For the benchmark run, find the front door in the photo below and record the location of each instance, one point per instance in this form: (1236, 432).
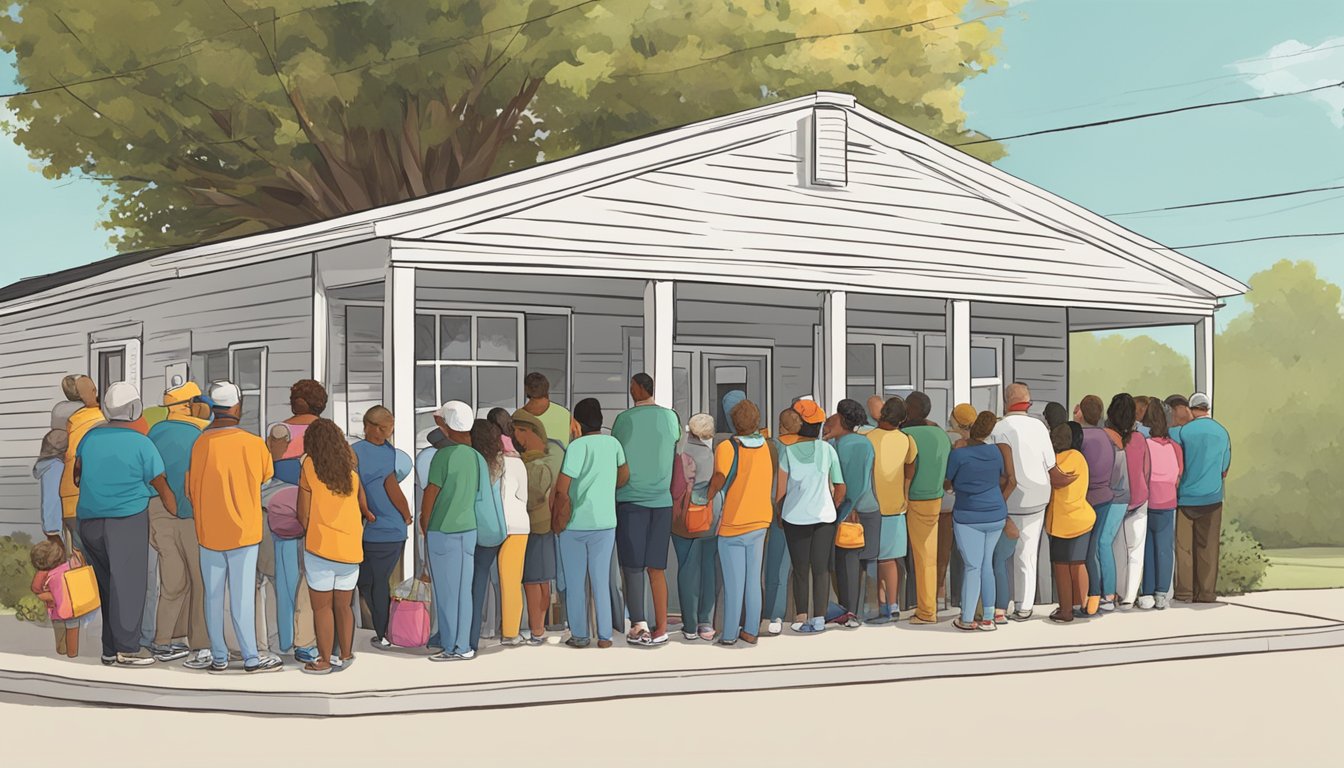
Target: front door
(703, 375)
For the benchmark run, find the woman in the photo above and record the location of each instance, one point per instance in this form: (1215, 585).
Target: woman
(491, 525)
(958, 431)
(894, 457)
(743, 478)
(1122, 426)
(47, 471)
(777, 565)
(513, 491)
(1112, 517)
(981, 475)
(1055, 415)
(857, 457)
(810, 487)
(697, 573)
(385, 536)
(1069, 522)
(504, 423)
(332, 509)
(1166, 463)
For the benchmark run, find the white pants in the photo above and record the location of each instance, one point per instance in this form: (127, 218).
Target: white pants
(1030, 523)
(1128, 549)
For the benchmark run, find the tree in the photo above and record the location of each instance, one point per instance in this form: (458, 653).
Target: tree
(213, 118)
(1106, 364)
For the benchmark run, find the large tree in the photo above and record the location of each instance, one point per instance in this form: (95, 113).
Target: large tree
(211, 118)
(1105, 364)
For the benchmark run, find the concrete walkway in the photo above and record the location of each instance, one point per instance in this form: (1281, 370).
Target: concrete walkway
(403, 681)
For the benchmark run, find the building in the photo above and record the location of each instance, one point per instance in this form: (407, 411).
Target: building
(809, 247)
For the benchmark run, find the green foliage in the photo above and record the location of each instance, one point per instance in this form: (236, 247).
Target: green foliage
(209, 119)
(1107, 364)
(16, 571)
(31, 608)
(1241, 560)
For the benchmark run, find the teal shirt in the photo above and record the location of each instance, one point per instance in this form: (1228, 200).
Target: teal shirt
(931, 464)
(1208, 455)
(856, 464)
(174, 440)
(457, 471)
(591, 463)
(649, 435)
(116, 465)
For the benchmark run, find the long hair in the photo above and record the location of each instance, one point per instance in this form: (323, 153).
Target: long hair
(333, 461)
(1120, 416)
(485, 439)
(1156, 419)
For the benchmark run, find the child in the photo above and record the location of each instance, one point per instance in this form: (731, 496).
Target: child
(48, 557)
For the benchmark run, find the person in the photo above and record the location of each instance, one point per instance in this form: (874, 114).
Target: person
(116, 471)
(47, 557)
(513, 491)
(697, 561)
(1166, 464)
(894, 455)
(1207, 450)
(181, 609)
(1053, 413)
(981, 475)
(648, 434)
(742, 478)
(857, 457)
(958, 431)
(1179, 412)
(1069, 522)
(585, 522)
(491, 524)
(79, 389)
(47, 471)
(809, 489)
(560, 424)
(448, 524)
(1100, 454)
(504, 423)
(925, 503)
(384, 538)
(543, 459)
(1122, 428)
(777, 561)
(1140, 411)
(875, 403)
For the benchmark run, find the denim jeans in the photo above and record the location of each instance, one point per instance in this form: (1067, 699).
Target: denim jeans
(236, 570)
(286, 589)
(484, 563)
(976, 543)
(1159, 551)
(1101, 555)
(740, 557)
(697, 579)
(1003, 576)
(451, 569)
(776, 572)
(587, 554)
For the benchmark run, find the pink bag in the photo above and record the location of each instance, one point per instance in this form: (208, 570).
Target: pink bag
(61, 607)
(408, 623)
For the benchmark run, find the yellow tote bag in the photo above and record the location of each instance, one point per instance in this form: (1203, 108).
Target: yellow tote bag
(81, 587)
(849, 536)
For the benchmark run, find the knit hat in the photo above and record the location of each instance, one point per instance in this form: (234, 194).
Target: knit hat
(811, 412)
(528, 419)
(964, 415)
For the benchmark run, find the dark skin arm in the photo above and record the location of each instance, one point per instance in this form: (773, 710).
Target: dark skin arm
(398, 498)
(427, 507)
(560, 500)
(160, 484)
(364, 506)
(622, 476)
(39, 588)
(1059, 478)
(1008, 481)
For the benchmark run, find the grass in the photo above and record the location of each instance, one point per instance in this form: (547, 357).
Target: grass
(1305, 568)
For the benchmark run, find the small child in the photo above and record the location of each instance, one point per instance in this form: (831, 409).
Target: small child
(48, 557)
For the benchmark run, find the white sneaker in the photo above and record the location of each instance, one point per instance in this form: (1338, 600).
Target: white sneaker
(1160, 602)
(199, 660)
(775, 626)
(1145, 603)
(467, 656)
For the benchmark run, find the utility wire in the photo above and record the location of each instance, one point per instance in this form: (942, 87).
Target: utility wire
(1206, 203)
(1259, 239)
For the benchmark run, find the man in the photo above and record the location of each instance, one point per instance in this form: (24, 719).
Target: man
(385, 537)
(1034, 466)
(181, 610)
(1178, 411)
(560, 425)
(778, 566)
(228, 467)
(875, 405)
(893, 471)
(1208, 455)
(448, 524)
(544, 458)
(1099, 453)
(925, 503)
(116, 470)
(648, 434)
(86, 417)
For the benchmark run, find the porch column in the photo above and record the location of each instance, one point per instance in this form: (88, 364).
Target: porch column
(1204, 356)
(321, 323)
(835, 333)
(659, 326)
(958, 352)
(399, 378)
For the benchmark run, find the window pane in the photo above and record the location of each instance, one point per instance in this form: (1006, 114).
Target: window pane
(455, 383)
(424, 337)
(497, 338)
(111, 368)
(424, 422)
(425, 396)
(496, 388)
(454, 337)
(935, 362)
(209, 366)
(897, 373)
(252, 415)
(986, 399)
(940, 409)
(247, 369)
(861, 360)
(984, 362)
(547, 352)
(859, 392)
(363, 346)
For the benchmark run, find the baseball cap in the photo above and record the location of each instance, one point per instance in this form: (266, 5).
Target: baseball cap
(964, 413)
(810, 411)
(1201, 401)
(121, 402)
(181, 392)
(225, 394)
(457, 415)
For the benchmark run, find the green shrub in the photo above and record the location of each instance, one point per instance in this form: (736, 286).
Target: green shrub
(31, 608)
(16, 571)
(1241, 560)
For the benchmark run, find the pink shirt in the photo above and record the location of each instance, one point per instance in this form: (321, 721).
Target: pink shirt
(1167, 463)
(1136, 460)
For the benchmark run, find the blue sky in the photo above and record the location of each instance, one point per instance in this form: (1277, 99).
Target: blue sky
(1061, 62)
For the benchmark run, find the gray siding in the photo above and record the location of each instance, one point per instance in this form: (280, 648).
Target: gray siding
(1040, 345)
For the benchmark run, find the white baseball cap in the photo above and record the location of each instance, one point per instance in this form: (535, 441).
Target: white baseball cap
(1200, 401)
(121, 402)
(225, 394)
(457, 415)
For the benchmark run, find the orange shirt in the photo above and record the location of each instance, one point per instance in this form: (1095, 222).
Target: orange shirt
(747, 506)
(77, 427)
(228, 467)
(335, 524)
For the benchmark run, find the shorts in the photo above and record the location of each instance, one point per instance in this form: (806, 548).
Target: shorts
(539, 559)
(1072, 550)
(872, 535)
(643, 536)
(64, 623)
(327, 575)
(894, 542)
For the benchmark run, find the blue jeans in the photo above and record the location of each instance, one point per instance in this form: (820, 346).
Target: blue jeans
(286, 589)
(486, 562)
(776, 572)
(1003, 572)
(451, 566)
(587, 555)
(697, 579)
(1159, 551)
(976, 543)
(1101, 555)
(236, 568)
(740, 557)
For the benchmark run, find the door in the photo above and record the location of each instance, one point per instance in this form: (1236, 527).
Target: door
(703, 375)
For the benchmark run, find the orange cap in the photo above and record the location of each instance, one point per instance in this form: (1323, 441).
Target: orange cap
(810, 411)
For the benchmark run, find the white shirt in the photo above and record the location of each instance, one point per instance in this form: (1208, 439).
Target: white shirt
(1033, 458)
(513, 491)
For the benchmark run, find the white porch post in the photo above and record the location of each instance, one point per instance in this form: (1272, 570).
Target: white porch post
(321, 322)
(1204, 356)
(958, 351)
(399, 378)
(835, 330)
(659, 327)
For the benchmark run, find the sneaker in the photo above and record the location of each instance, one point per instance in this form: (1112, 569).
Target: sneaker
(466, 655)
(165, 654)
(306, 655)
(266, 664)
(109, 661)
(536, 640)
(141, 658)
(690, 636)
(986, 625)
(651, 640)
(512, 642)
(775, 627)
(218, 667)
(727, 641)
(199, 660)
(637, 636)
(381, 643)
(578, 642)
(1020, 615)
(1145, 603)
(852, 622)
(443, 656)
(814, 627)
(1106, 605)
(1160, 602)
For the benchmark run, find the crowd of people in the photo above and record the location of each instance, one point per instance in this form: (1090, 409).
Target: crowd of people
(179, 511)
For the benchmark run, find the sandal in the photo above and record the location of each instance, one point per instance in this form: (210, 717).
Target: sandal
(1061, 616)
(312, 669)
(959, 624)
(637, 637)
(706, 633)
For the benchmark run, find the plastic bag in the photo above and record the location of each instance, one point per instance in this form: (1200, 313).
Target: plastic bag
(413, 590)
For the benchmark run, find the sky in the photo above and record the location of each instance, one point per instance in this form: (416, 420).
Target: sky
(1061, 62)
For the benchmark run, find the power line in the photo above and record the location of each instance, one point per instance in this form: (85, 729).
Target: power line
(1145, 115)
(1231, 200)
(1259, 239)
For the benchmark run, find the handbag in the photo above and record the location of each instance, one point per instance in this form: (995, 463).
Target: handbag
(81, 587)
(408, 620)
(849, 536)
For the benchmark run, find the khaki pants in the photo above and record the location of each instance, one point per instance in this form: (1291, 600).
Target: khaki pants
(181, 609)
(1197, 545)
(921, 521)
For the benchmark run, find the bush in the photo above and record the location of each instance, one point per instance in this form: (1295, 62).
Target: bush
(16, 571)
(1241, 560)
(31, 608)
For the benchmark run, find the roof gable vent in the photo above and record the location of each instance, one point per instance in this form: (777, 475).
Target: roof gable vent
(830, 139)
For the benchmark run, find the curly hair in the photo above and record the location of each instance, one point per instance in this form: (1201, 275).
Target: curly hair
(333, 461)
(852, 413)
(46, 554)
(485, 439)
(312, 393)
(746, 418)
(984, 425)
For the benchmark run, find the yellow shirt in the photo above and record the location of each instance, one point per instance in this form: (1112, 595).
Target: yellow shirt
(1069, 515)
(228, 467)
(893, 449)
(335, 524)
(748, 505)
(77, 427)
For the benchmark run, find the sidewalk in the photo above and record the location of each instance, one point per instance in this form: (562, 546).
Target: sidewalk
(403, 681)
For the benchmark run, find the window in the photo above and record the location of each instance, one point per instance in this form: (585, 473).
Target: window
(116, 361)
(209, 366)
(879, 365)
(363, 364)
(475, 357)
(547, 352)
(989, 369)
(247, 369)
